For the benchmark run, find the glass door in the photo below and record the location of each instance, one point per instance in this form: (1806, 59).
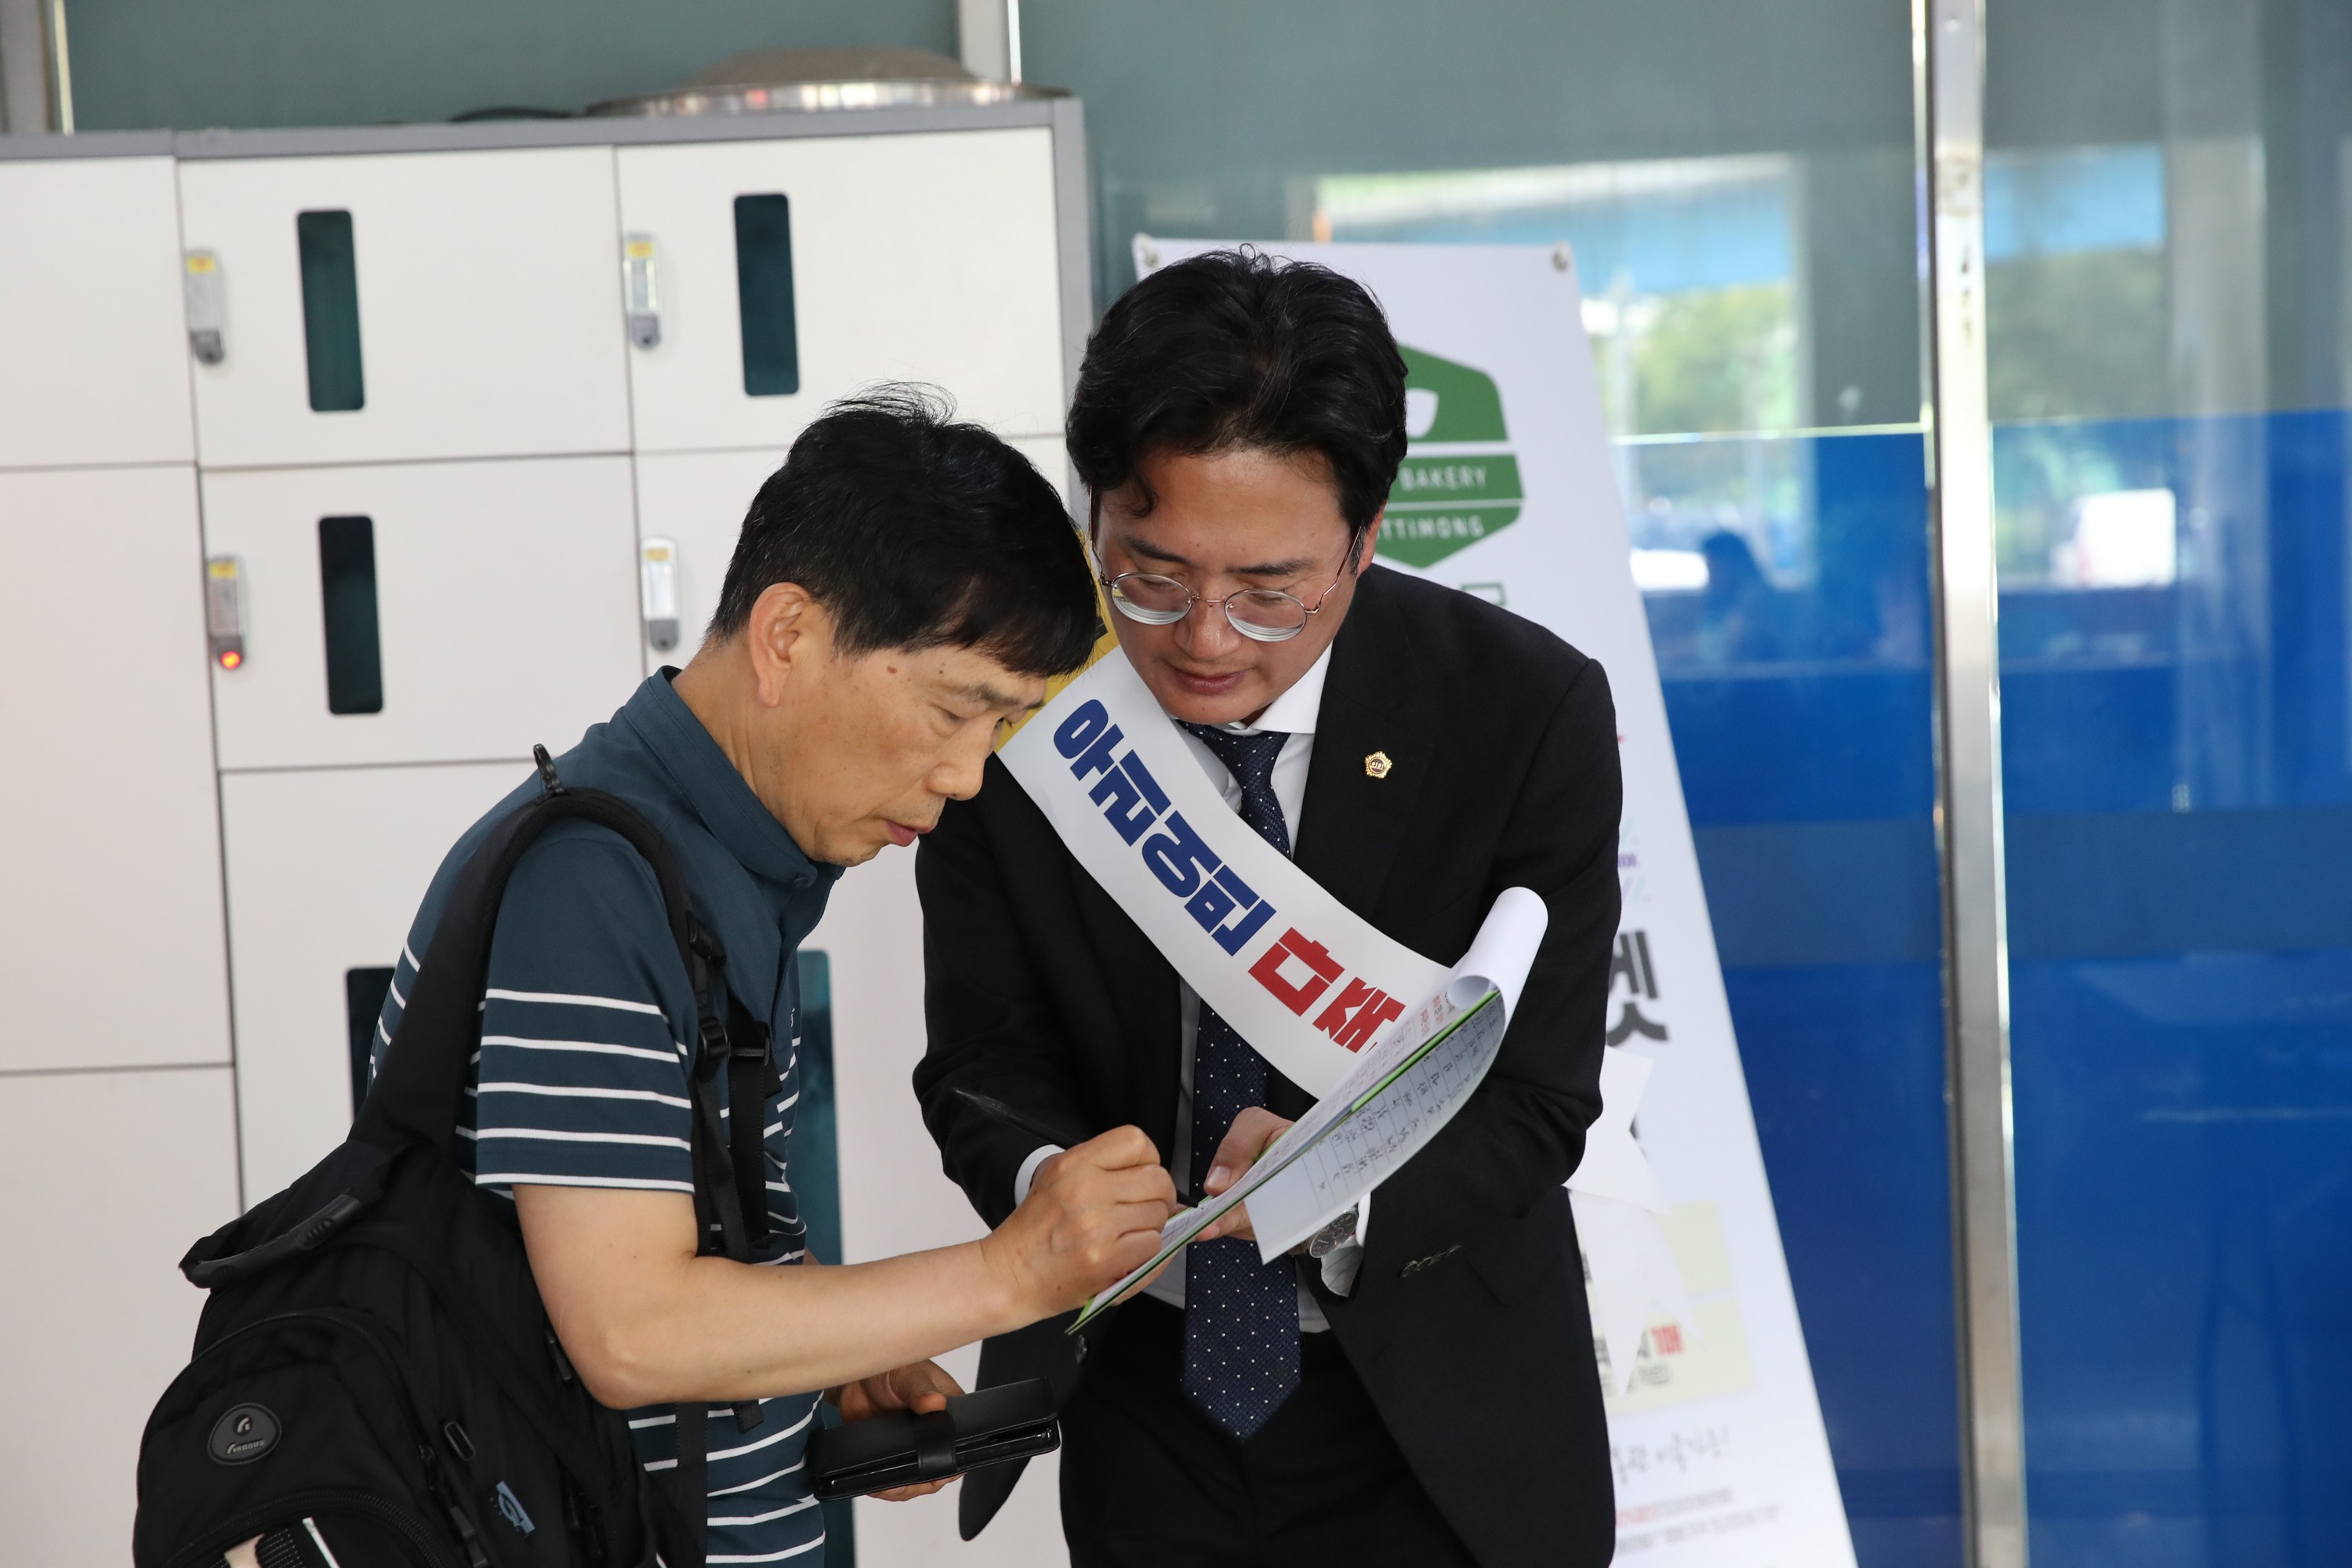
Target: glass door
(2166, 226)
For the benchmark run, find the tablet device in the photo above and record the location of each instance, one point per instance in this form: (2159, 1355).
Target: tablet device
(900, 1448)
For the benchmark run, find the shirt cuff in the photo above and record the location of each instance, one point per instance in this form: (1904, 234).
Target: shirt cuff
(1342, 1263)
(1028, 1172)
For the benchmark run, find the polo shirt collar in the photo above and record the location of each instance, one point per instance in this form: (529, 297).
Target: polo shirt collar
(711, 788)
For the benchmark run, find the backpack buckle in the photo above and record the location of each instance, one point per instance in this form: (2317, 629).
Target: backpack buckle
(705, 942)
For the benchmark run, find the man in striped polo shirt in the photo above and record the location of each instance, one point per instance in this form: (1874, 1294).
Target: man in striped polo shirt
(902, 586)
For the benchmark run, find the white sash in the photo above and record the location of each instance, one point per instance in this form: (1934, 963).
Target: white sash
(1301, 977)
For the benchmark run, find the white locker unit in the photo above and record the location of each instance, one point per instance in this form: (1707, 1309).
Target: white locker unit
(325, 871)
(494, 601)
(93, 363)
(108, 849)
(419, 395)
(910, 258)
(691, 504)
(403, 305)
(109, 1177)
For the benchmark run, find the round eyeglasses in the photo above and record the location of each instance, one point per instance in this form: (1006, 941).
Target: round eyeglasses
(1261, 615)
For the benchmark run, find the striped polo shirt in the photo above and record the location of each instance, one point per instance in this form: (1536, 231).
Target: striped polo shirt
(589, 1021)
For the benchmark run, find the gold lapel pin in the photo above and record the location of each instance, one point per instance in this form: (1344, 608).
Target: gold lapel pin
(1377, 765)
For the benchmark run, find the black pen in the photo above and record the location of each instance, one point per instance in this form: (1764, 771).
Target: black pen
(997, 1110)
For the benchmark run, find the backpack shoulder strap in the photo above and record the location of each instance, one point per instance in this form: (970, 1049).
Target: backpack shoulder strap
(415, 1095)
(415, 1098)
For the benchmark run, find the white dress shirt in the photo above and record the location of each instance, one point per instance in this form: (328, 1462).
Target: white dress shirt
(1294, 713)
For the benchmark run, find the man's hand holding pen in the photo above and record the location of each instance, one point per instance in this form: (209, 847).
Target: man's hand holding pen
(1093, 1212)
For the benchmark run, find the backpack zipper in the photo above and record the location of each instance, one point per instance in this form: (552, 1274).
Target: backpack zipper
(403, 1522)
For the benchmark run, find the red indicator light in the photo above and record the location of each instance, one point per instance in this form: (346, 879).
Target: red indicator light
(230, 658)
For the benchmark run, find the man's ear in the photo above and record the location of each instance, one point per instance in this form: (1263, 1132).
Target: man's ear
(785, 633)
(1371, 541)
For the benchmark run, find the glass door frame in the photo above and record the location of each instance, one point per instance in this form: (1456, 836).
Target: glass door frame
(1948, 63)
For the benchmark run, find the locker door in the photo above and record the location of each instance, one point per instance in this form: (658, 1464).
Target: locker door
(110, 845)
(411, 305)
(429, 612)
(325, 871)
(95, 364)
(109, 1177)
(924, 258)
(696, 500)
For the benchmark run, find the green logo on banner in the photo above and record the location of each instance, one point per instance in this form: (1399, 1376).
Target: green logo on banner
(1445, 499)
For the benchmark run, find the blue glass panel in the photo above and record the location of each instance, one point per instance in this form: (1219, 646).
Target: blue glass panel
(2180, 780)
(1797, 685)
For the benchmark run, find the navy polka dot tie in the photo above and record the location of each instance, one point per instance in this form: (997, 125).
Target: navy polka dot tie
(1241, 1316)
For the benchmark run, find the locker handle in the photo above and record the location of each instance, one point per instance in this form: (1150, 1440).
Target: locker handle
(225, 609)
(205, 292)
(641, 290)
(657, 591)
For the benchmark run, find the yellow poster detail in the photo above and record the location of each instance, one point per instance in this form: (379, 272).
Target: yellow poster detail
(1679, 1361)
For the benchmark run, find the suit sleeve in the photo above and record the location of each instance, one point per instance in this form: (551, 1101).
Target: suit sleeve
(1522, 1133)
(990, 1024)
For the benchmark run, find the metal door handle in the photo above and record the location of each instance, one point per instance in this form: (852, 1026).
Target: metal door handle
(641, 290)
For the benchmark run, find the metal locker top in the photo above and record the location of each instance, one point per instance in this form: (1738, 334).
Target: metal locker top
(1065, 117)
(585, 131)
(91, 144)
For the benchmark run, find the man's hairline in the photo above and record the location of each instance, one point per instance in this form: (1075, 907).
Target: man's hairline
(1356, 533)
(1097, 496)
(987, 647)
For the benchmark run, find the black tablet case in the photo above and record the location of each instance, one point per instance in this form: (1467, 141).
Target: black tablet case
(898, 1448)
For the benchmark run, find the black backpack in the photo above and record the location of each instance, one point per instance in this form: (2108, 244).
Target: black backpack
(375, 1383)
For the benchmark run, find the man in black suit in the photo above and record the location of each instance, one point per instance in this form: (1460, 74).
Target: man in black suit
(1422, 1390)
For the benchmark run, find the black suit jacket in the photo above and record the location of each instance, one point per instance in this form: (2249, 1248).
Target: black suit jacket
(1468, 1323)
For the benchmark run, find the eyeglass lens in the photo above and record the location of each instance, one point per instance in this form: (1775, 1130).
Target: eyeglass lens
(1165, 600)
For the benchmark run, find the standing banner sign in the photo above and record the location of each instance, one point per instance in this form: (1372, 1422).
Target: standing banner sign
(1507, 492)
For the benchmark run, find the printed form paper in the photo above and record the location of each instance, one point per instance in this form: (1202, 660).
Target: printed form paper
(1407, 1087)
